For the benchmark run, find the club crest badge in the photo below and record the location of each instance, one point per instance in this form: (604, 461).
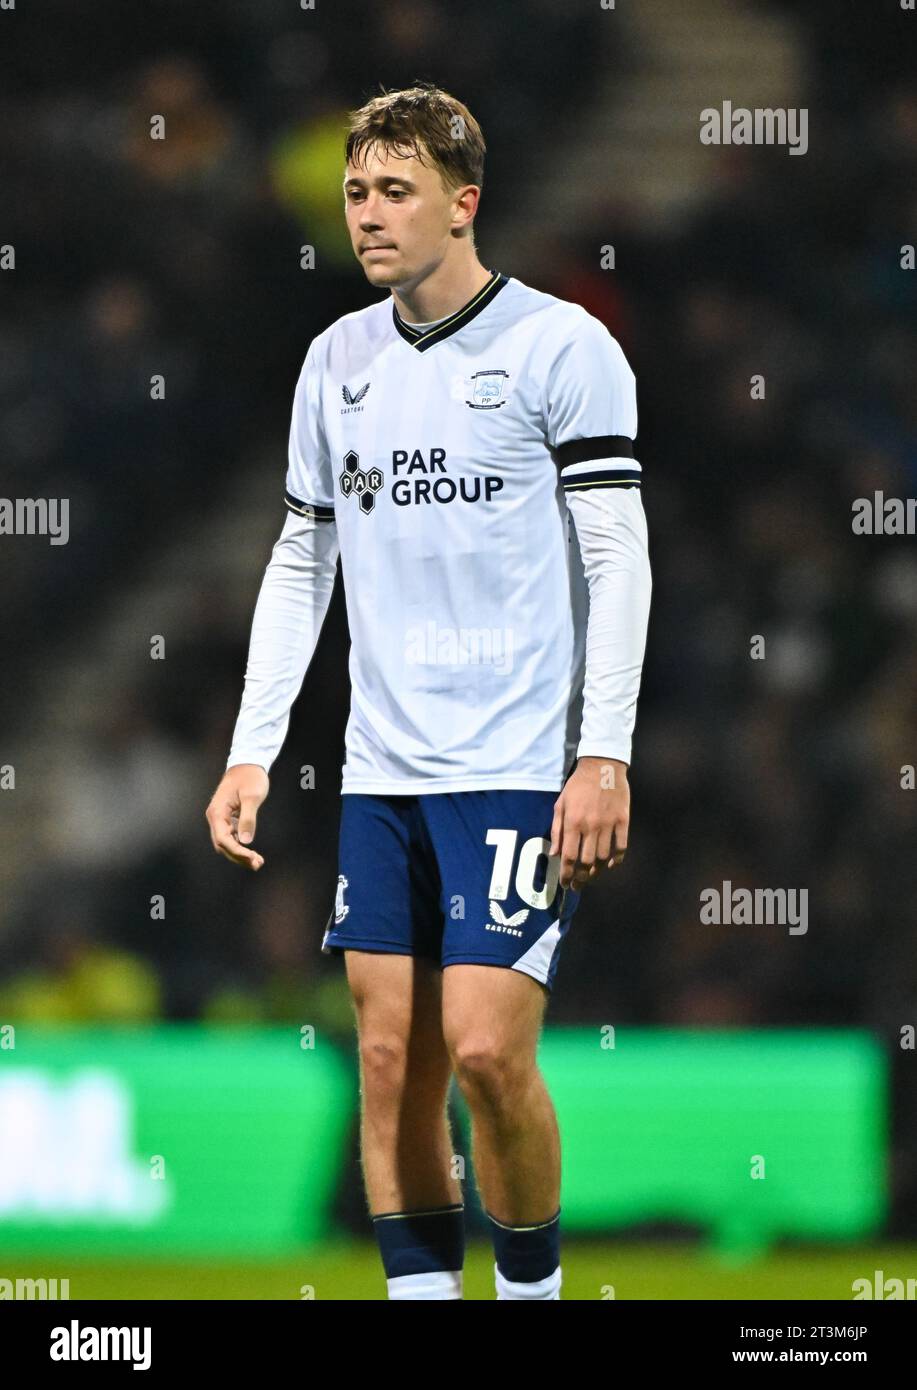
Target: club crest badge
(488, 389)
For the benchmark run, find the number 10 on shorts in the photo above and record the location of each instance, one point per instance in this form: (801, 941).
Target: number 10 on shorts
(532, 850)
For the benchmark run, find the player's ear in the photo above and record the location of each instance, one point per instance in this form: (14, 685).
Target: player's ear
(465, 205)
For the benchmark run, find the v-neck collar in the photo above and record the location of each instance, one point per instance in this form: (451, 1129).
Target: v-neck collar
(422, 341)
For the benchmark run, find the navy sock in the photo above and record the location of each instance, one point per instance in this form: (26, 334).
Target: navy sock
(526, 1254)
(421, 1242)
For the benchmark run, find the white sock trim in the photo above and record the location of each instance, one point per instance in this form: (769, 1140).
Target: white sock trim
(511, 1291)
(440, 1283)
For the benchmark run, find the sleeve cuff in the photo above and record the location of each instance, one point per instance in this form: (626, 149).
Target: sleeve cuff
(236, 759)
(620, 752)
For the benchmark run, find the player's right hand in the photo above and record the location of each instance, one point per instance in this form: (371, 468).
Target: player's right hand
(233, 811)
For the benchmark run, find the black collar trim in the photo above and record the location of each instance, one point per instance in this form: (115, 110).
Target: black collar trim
(422, 341)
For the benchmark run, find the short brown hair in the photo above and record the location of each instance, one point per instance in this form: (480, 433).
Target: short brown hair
(423, 121)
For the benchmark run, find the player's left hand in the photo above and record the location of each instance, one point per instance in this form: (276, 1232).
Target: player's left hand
(591, 819)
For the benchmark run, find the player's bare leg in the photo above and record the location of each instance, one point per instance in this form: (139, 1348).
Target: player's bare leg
(492, 1018)
(405, 1141)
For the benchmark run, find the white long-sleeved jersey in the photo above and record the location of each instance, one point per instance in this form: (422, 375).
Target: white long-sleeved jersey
(492, 641)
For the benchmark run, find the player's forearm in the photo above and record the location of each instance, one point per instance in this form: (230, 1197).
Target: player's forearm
(611, 530)
(291, 608)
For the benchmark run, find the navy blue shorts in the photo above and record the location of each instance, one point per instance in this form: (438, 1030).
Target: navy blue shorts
(456, 877)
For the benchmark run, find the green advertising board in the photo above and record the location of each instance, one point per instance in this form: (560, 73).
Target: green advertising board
(172, 1139)
(750, 1136)
(222, 1141)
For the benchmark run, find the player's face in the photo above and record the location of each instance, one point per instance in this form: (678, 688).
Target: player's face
(400, 217)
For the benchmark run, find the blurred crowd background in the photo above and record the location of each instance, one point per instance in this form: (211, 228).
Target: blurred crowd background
(181, 257)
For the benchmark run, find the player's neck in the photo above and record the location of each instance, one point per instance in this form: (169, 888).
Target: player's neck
(444, 291)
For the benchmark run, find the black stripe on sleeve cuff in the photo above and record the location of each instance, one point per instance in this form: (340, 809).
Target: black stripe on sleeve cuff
(310, 509)
(601, 446)
(579, 482)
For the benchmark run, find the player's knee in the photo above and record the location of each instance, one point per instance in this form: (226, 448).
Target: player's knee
(383, 1062)
(488, 1073)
